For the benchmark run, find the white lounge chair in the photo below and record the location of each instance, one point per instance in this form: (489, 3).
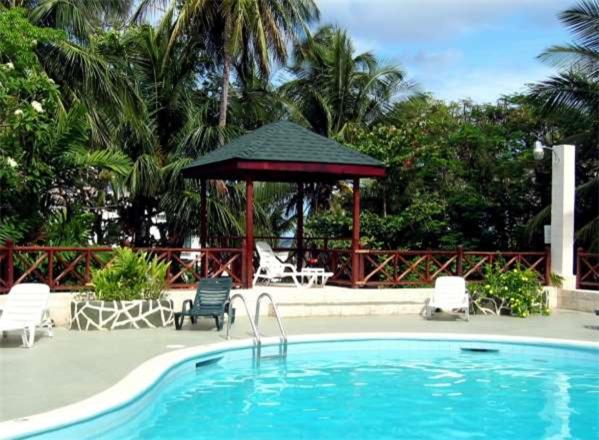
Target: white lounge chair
(25, 308)
(273, 269)
(450, 295)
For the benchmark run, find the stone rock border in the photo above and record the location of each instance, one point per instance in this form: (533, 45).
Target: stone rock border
(111, 315)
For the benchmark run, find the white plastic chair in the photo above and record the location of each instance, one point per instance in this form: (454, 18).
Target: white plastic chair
(450, 295)
(273, 269)
(25, 308)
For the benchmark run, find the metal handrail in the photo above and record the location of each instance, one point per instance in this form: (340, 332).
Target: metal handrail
(247, 311)
(283, 336)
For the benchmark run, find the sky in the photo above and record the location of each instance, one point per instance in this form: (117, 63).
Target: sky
(477, 49)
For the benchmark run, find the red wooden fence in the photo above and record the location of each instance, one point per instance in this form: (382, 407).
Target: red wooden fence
(70, 268)
(380, 268)
(587, 270)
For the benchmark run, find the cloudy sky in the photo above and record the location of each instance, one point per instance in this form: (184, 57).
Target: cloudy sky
(478, 49)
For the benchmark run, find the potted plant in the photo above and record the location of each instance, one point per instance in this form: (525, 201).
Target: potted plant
(127, 293)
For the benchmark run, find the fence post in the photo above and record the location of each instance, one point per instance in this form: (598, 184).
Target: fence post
(10, 264)
(244, 272)
(427, 268)
(169, 273)
(87, 274)
(204, 263)
(460, 261)
(578, 267)
(50, 258)
(548, 265)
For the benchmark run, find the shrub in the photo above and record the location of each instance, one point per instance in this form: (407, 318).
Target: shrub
(517, 292)
(131, 275)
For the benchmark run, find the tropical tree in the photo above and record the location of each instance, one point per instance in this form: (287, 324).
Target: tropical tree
(575, 92)
(334, 87)
(250, 32)
(458, 174)
(46, 160)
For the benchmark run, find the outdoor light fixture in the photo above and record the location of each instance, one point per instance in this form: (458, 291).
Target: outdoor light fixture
(538, 150)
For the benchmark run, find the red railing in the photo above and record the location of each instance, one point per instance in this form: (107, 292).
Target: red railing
(587, 270)
(70, 268)
(394, 268)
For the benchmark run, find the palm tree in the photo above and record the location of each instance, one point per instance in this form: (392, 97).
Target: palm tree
(174, 125)
(577, 86)
(575, 90)
(334, 86)
(253, 31)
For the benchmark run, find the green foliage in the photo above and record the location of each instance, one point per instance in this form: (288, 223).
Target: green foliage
(130, 276)
(454, 171)
(46, 161)
(517, 291)
(336, 87)
(99, 112)
(19, 38)
(572, 95)
(63, 229)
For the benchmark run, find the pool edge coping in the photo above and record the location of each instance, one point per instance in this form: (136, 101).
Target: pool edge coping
(148, 373)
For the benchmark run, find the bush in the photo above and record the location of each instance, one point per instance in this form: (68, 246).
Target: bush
(517, 292)
(131, 275)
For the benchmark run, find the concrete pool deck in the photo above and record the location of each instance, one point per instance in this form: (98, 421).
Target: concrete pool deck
(75, 365)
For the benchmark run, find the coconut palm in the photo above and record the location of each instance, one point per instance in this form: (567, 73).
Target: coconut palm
(575, 90)
(334, 86)
(255, 30)
(577, 86)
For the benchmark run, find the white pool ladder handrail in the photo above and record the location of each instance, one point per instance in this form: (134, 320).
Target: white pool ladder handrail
(283, 335)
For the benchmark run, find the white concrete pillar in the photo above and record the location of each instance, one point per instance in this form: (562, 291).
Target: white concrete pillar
(563, 188)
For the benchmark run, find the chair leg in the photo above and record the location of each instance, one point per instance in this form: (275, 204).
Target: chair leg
(429, 312)
(28, 336)
(218, 319)
(295, 281)
(47, 322)
(178, 321)
(256, 276)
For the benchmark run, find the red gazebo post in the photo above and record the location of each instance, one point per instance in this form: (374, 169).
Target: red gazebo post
(203, 226)
(356, 272)
(249, 233)
(299, 233)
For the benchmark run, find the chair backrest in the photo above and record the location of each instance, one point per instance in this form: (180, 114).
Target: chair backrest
(25, 303)
(268, 259)
(449, 289)
(213, 293)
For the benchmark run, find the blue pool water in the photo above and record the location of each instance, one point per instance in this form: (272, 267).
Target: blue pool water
(373, 389)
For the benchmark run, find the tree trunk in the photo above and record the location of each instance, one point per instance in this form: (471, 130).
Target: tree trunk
(224, 99)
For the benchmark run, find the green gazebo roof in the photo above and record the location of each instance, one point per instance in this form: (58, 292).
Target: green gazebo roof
(284, 151)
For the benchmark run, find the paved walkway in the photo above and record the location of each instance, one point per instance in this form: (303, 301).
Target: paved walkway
(75, 365)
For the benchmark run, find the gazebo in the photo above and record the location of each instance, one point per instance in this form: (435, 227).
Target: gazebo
(283, 152)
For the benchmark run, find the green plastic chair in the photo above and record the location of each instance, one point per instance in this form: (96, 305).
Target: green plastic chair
(212, 299)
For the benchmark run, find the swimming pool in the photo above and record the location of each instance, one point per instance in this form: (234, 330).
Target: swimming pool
(367, 389)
